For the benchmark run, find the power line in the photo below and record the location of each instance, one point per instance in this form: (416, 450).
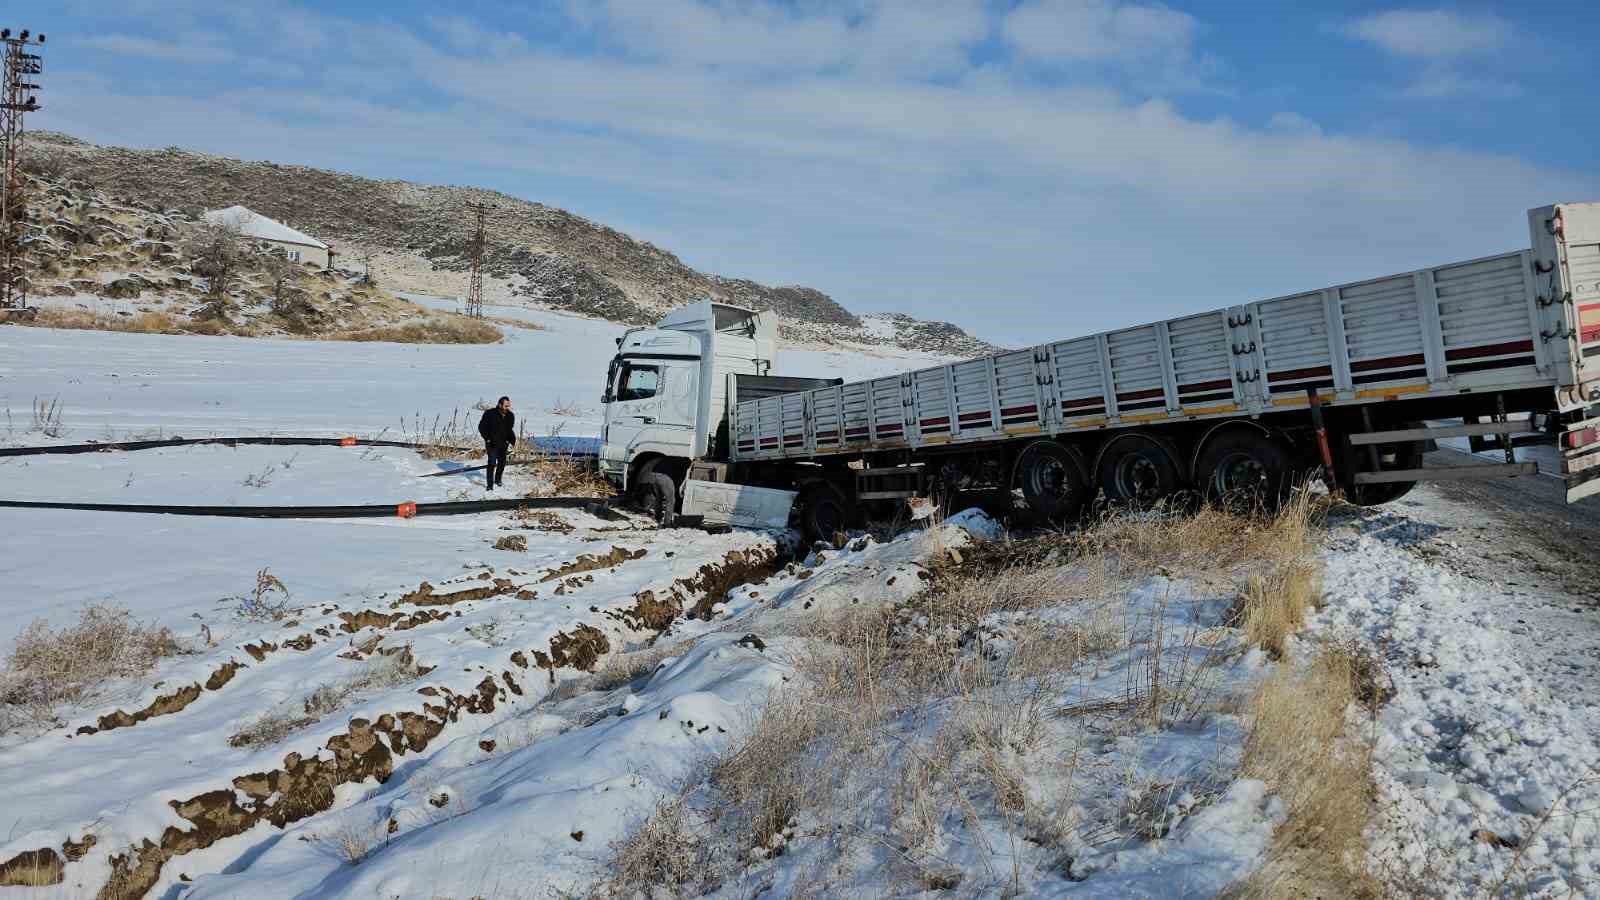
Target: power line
(16, 99)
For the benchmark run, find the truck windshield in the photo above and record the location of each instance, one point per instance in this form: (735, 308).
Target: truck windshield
(639, 382)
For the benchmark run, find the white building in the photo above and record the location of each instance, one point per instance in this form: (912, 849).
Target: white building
(298, 246)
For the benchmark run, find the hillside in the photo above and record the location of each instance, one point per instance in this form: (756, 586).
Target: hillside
(416, 238)
(118, 264)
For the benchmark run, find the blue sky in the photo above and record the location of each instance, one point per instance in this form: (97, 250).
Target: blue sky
(1025, 168)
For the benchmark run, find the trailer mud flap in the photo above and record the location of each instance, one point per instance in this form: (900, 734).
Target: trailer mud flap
(1580, 459)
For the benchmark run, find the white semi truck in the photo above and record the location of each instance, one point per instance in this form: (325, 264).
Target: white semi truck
(1352, 380)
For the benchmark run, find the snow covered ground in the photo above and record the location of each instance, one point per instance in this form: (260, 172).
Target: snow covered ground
(426, 722)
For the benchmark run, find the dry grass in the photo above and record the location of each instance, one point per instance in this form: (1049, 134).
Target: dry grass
(442, 438)
(1298, 744)
(378, 672)
(666, 856)
(1274, 606)
(50, 667)
(352, 842)
(149, 322)
(564, 408)
(439, 328)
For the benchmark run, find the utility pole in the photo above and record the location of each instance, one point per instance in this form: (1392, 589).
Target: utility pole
(16, 99)
(475, 279)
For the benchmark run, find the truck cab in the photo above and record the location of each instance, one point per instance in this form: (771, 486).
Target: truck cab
(666, 390)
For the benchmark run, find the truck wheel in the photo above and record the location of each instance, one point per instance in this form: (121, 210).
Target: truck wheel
(1245, 467)
(659, 497)
(1404, 455)
(1137, 469)
(824, 511)
(1051, 482)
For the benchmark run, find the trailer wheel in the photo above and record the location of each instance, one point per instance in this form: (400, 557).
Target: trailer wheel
(1051, 482)
(1243, 466)
(1138, 469)
(1404, 455)
(824, 511)
(659, 497)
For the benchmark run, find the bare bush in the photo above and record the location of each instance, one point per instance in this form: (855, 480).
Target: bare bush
(668, 855)
(280, 272)
(47, 417)
(50, 165)
(564, 408)
(261, 605)
(217, 252)
(50, 667)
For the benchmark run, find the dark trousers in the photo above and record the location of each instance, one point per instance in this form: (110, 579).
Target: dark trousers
(497, 463)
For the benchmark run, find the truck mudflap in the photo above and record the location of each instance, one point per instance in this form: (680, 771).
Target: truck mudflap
(1580, 458)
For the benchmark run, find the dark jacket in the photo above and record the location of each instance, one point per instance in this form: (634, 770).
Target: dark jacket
(498, 427)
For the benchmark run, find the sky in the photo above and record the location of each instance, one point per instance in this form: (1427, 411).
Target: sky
(1027, 169)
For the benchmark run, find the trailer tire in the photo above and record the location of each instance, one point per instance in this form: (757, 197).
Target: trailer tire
(658, 495)
(1244, 467)
(1051, 481)
(1138, 469)
(824, 511)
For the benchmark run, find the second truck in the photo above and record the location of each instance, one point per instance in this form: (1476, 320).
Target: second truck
(1353, 381)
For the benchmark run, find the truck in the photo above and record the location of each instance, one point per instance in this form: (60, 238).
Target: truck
(1352, 382)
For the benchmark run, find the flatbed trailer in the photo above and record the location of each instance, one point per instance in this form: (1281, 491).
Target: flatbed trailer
(1350, 380)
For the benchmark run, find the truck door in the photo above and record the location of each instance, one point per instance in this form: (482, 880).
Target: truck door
(636, 402)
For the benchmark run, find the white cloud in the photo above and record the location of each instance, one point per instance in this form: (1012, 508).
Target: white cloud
(195, 48)
(1437, 34)
(768, 35)
(1098, 30)
(1447, 84)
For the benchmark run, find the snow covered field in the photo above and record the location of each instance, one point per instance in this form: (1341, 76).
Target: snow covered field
(437, 716)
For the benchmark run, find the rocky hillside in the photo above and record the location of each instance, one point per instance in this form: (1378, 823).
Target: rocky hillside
(417, 233)
(106, 262)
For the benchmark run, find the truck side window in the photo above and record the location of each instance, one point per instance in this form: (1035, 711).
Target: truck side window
(639, 382)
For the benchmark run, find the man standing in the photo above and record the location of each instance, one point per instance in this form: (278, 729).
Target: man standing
(499, 429)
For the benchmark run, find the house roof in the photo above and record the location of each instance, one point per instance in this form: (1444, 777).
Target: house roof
(254, 224)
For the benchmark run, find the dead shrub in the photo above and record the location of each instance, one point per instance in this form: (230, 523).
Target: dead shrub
(1297, 745)
(50, 667)
(667, 855)
(439, 328)
(564, 408)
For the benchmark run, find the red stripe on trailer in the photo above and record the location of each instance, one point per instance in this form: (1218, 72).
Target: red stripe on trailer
(1505, 349)
(827, 434)
(1590, 335)
(1299, 374)
(1142, 395)
(890, 429)
(1221, 384)
(1079, 404)
(856, 432)
(1009, 411)
(1589, 307)
(1389, 362)
(936, 421)
(975, 416)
